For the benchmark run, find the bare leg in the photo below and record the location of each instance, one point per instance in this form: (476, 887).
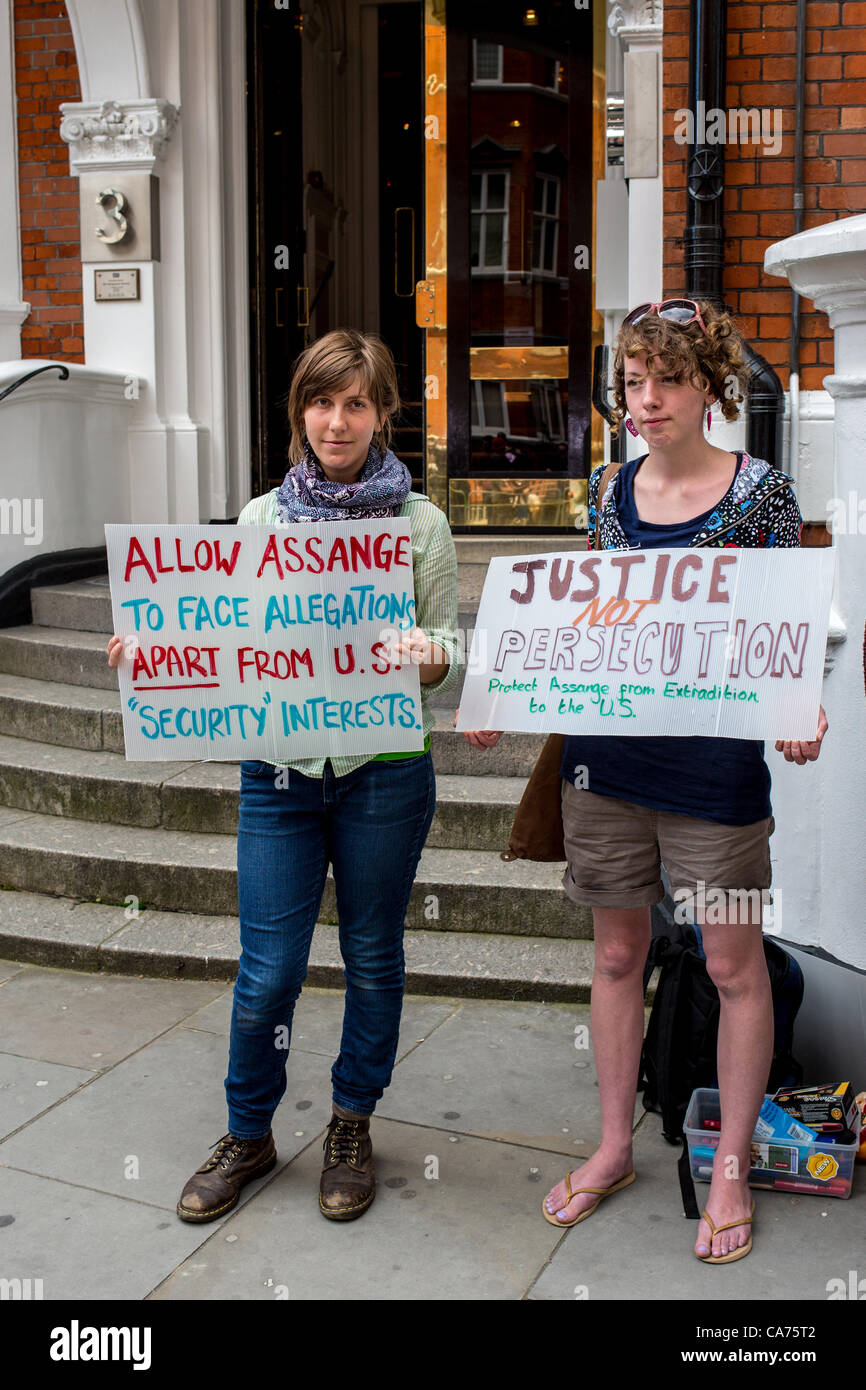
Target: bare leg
(622, 940)
(737, 966)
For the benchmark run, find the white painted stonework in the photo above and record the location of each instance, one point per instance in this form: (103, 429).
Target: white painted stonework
(163, 91)
(820, 810)
(13, 310)
(65, 449)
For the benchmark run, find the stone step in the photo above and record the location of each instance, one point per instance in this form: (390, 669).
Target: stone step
(38, 929)
(77, 716)
(186, 871)
(87, 784)
(480, 550)
(74, 657)
(74, 716)
(67, 655)
(83, 605)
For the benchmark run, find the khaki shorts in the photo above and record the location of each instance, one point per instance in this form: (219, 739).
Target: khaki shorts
(615, 850)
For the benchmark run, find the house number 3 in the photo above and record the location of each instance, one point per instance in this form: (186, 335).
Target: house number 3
(116, 214)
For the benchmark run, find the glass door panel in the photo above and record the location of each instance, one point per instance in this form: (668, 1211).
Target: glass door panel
(514, 443)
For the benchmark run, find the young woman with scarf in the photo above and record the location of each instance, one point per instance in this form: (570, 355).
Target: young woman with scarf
(700, 805)
(367, 815)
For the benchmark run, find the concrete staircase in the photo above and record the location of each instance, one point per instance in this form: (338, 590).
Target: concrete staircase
(131, 866)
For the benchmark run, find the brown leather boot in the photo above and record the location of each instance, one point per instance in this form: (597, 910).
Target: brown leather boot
(215, 1187)
(347, 1186)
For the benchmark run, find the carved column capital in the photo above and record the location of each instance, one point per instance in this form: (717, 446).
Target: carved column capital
(117, 134)
(640, 16)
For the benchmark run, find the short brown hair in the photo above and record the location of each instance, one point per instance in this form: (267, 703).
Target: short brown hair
(711, 361)
(331, 364)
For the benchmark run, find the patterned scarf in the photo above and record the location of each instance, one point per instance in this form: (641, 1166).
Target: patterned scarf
(379, 490)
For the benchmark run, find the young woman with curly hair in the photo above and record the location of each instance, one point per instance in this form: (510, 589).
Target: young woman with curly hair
(699, 805)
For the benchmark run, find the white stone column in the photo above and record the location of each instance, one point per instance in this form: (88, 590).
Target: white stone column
(638, 25)
(13, 311)
(187, 338)
(820, 809)
(116, 139)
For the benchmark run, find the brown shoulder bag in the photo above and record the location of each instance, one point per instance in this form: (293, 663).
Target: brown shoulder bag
(537, 830)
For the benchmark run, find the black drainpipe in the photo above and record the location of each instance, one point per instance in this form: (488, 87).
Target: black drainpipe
(704, 237)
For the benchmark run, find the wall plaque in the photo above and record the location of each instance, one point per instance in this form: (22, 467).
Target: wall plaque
(117, 284)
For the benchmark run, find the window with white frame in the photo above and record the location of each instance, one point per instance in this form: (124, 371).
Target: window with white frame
(489, 408)
(489, 219)
(547, 408)
(545, 222)
(486, 61)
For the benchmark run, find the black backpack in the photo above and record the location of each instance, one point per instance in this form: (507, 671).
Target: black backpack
(679, 1051)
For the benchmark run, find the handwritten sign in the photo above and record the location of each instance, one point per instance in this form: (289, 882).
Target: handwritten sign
(723, 642)
(262, 642)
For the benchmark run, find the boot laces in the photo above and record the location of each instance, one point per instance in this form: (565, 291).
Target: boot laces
(227, 1150)
(342, 1141)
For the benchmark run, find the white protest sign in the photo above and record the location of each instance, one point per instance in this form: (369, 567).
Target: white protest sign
(725, 642)
(264, 642)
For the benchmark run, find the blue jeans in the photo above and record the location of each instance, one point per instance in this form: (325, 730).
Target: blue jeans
(371, 825)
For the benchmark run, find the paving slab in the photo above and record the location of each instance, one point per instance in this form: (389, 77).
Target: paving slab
(8, 968)
(29, 1087)
(430, 1238)
(639, 1245)
(86, 1245)
(507, 1071)
(318, 1020)
(164, 1108)
(91, 1021)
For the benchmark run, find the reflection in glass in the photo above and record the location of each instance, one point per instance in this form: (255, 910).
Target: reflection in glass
(518, 170)
(506, 502)
(519, 426)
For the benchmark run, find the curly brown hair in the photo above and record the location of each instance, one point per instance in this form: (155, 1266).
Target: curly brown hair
(710, 361)
(331, 363)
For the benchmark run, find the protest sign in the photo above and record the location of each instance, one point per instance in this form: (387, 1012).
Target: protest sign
(725, 642)
(264, 642)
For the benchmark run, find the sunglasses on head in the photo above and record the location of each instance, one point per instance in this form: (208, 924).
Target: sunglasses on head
(678, 311)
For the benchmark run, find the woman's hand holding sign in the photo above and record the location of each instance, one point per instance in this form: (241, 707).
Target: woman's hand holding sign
(800, 752)
(415, 646)
(479, 738)
(120, 646)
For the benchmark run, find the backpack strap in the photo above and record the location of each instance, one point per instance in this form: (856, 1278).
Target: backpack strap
(687, 1186)
(606, 476)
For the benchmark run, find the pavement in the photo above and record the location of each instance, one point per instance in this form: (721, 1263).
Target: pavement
(111, 1093)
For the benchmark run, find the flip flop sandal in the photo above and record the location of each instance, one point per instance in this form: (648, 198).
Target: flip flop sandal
(740, 1251)
(605, 1192)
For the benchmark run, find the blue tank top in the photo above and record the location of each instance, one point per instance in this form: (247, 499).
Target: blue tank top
(717, 779)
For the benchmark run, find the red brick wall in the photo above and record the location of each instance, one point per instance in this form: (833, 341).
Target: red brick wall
(758, 197)
(46, 75)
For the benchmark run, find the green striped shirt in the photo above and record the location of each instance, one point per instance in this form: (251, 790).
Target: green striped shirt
(434, 570)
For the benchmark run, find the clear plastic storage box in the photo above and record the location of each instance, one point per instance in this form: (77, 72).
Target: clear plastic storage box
(822, 1168)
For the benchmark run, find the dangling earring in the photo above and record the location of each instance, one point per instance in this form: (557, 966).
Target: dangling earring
(631, 426)
(709, 418)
